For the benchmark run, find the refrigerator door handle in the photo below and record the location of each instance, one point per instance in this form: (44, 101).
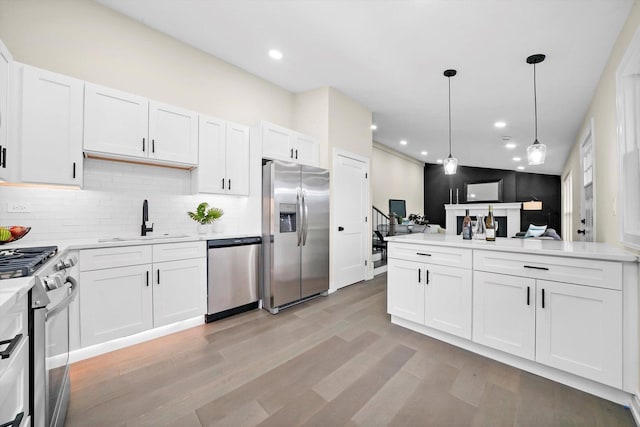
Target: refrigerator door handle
(305, 217)
(298, 217)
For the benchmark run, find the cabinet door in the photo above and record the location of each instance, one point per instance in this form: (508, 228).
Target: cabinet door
(115, 303)
(579, 330)
(237, 159)
(277, 142)
(210, 175)
(306, 150)
(448, 299)
(173, 132)
(5, 60)
(179, 290)
(115, 122)
(504, 313)
(405, 290)
(51, 128)
(14, 385)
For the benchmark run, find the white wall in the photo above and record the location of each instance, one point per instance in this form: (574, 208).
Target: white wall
(396, 176)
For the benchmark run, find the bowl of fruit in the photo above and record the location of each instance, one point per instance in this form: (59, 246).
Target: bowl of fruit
(12, 233)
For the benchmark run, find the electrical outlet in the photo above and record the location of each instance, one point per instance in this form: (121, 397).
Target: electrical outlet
(20, 207)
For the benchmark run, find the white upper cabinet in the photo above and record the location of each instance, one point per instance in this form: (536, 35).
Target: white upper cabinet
(50, 130)
(115, 122)
(280, 143)
(5, 61)
(124, 126)
(173, 132)
(224, 158)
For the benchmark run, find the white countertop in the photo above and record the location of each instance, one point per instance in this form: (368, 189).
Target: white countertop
(600, 251)
(13, 289)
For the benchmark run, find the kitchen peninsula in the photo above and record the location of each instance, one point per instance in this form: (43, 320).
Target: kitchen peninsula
(562, 310)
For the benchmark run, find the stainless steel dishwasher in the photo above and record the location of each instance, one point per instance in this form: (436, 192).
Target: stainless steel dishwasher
(232, 276)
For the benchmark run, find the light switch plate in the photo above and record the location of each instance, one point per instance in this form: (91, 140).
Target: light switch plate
(21, 207)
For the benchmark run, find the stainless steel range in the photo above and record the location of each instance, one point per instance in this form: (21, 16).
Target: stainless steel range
(50, 297)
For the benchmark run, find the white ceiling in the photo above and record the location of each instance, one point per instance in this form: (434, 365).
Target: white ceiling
(389, 55)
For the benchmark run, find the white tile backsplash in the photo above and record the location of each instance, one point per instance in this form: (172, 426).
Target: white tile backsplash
(110, 204)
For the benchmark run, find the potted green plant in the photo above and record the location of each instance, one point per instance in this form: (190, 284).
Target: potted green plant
(204, 215)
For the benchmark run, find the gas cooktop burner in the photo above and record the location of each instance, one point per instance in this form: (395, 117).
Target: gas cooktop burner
(21, 262)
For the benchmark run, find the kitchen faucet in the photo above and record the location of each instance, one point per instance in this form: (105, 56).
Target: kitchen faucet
(145, 219)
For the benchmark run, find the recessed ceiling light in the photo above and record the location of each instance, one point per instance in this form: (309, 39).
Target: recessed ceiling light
(439, 160)
(500, 124)
(275, 54)
(374, 127)
(510, 145)
(521, 168)
(403, 142)
(516, 159)
(424, 153)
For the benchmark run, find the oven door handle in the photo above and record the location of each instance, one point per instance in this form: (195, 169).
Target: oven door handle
(65, 302)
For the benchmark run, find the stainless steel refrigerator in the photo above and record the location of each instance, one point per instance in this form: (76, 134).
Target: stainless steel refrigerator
(295, 233)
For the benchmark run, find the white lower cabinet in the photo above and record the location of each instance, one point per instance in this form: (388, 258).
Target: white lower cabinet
(574, 328)
(120, 300)
(432, 295)
(178, 293)
(114, 303)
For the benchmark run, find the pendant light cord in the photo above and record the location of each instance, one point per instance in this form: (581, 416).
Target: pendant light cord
(535, 102)
(449, 78)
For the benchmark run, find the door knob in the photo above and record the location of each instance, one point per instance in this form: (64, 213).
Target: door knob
(581, 231)
(340, 228)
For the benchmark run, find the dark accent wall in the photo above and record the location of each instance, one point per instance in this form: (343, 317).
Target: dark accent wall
(516, 187)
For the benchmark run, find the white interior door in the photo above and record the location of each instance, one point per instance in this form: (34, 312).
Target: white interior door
(587, 189)
(350, 195)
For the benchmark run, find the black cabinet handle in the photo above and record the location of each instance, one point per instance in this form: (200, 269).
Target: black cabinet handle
(223, 183)
(13, 343)
(74, 170)
(229, 186)
(340, 228)
(419, 276)
(422, 254)
(543, 298)
(296, 154)
(291, 155)
(536, 268)
(16, 421)
(528, 295)
(158, 276)
(153, 145)
(147, 278)
(4, 157)
(427, 277)
(142, 144)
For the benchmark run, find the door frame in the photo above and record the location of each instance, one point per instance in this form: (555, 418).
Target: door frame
(337, 152)
(587, 135)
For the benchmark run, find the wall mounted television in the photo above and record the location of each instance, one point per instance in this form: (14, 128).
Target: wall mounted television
(483, 191)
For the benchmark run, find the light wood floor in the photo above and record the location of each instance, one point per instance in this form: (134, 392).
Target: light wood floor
(332, 361)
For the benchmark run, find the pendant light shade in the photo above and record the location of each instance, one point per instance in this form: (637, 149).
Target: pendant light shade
(450, 163)
(536, 152)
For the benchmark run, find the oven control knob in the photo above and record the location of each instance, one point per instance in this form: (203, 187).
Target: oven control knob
(53, 282)
(63, 264)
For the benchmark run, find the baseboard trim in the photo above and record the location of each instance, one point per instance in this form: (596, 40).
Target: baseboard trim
(589, 386)
(106, 347)
(634, 407)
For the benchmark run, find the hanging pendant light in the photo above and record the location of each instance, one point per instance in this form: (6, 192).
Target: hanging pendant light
(536, 152)
(450, 163)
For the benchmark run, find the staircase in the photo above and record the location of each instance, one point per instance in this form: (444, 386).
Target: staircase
(379, 246)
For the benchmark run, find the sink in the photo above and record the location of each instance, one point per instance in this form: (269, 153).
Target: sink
(143, 238)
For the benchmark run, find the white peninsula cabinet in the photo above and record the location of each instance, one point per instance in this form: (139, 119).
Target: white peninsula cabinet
(280, 143)
(564, 310)
(224, 158)
(49, 127)
(130, 289)
(124, 126)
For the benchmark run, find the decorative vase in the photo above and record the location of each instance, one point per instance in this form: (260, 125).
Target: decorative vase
(203, 228)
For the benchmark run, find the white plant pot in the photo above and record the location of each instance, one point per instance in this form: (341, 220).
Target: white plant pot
(203, 228)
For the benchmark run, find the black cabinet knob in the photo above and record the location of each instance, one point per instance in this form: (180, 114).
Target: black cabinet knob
(340, 228)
